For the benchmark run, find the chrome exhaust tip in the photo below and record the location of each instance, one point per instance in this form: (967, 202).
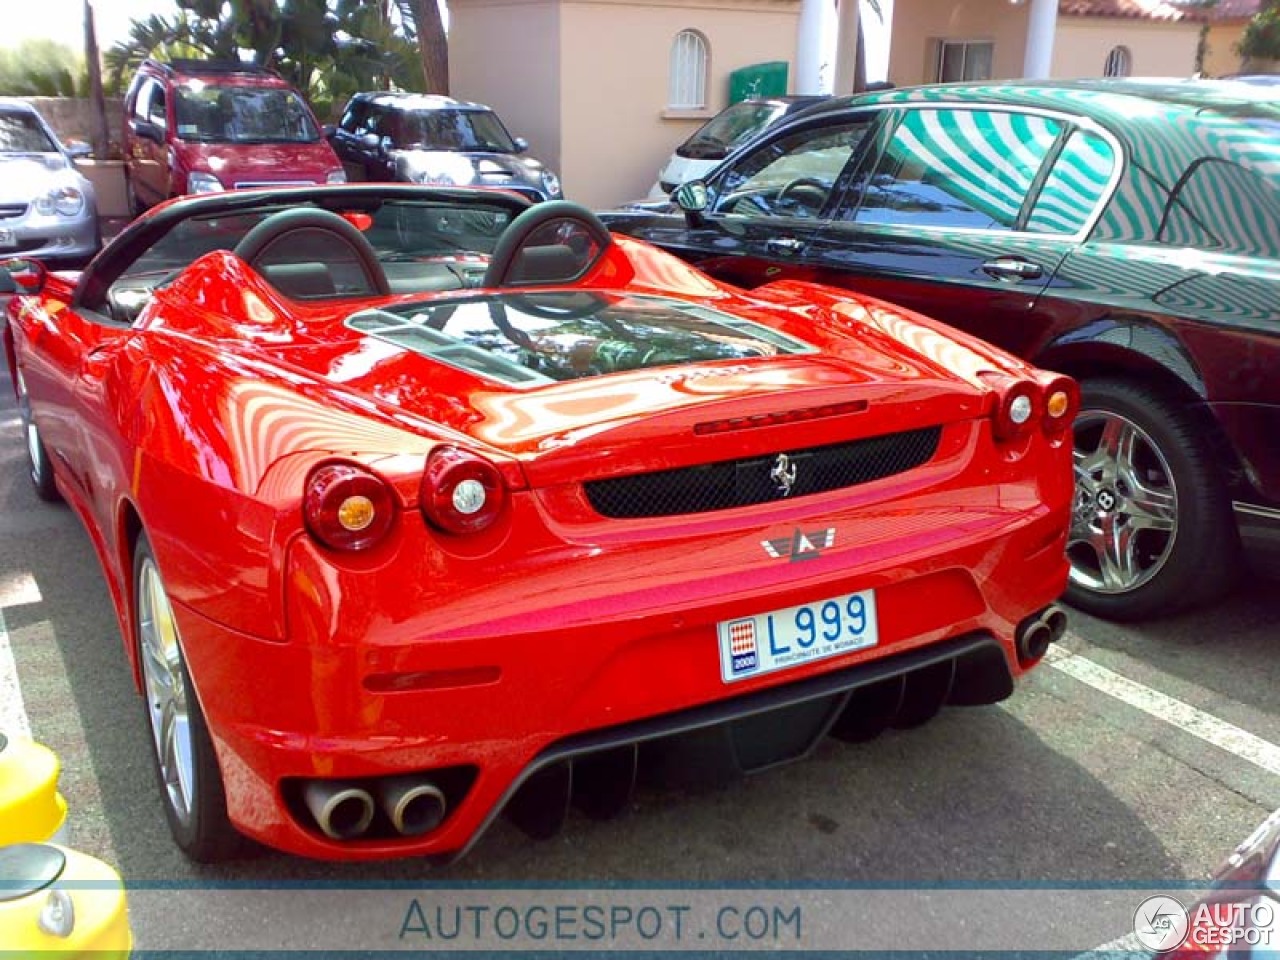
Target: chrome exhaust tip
(1055, 618)
(413, 805)
(342, 811)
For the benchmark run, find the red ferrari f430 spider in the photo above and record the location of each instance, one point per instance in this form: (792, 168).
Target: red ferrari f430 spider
(417, 505)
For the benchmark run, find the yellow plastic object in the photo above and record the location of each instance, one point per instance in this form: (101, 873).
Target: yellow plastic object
(101, 918)
(31, 809)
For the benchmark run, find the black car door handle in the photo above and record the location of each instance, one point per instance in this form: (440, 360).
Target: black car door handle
(783, 245)
(1012, 269)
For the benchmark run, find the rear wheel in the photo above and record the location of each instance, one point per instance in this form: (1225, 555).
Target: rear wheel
(1152, 530)
(39, 466)
(190, 782)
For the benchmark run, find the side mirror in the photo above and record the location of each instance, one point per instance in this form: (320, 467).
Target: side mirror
(521, 144)
(22, 276)
(369, 141)
(77, 149)
(146, 130)
(692, 197)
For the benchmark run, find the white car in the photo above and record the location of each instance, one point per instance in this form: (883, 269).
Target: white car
(720, 136)
(47, 209)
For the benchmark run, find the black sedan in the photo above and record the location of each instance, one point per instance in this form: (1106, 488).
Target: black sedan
(1124, 232)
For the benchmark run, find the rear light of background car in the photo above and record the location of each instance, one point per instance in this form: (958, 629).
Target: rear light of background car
(1061, 402)
(346, 507)
(461, 492)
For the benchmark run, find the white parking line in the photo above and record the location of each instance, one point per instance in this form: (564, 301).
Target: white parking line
(13, 712)
(1225, 736)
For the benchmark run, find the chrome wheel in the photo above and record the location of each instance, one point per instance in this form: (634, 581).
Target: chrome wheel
(29, 428)
(39, 469)
(1125, 516)
(166, 691)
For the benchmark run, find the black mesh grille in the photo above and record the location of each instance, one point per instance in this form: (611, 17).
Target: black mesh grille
(10, 210)
(741, 483)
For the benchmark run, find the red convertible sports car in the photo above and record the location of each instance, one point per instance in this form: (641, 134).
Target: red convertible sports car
(419, 505)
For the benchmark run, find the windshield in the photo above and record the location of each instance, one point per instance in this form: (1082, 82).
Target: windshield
(399, 231)
(734, 125)
(456, 130)
(22, 133)
(213, 114)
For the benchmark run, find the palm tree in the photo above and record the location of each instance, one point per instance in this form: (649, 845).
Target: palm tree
(97, 101)
(860, 64)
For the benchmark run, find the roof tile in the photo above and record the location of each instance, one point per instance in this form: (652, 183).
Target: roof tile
(1132, 10)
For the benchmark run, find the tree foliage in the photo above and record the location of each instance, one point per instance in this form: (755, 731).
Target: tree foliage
(328, 49)
(42, 68)
(1261, 40)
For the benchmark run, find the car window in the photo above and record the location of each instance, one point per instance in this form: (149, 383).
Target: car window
(732, 126)
(156, 107)
(456, 130)
(207, 113)
(142, 103)
(22, 133)
(1074, 186)
(956, 168)
(1222, 206)
(353, 121)
(792, 176)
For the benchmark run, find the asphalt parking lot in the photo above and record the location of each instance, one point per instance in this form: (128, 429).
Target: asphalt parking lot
(1137, 756)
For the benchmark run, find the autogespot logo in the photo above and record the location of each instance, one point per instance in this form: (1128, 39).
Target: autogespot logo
(1161, 924)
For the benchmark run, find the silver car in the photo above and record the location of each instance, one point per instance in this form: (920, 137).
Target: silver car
(47, 209)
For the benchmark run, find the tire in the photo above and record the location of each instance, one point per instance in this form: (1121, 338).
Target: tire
(191, 787)
(39, 466)
(1152, 530)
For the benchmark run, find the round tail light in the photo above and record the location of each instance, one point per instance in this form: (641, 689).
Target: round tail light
(1061, 402)
(346, 507)
(461, 492)
(1019, 409)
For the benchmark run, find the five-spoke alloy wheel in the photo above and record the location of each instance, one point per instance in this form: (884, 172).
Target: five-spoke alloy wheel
(191, 783)
(1151, 525)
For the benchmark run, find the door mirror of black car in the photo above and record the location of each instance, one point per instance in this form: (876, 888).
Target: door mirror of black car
(521, 144)
(693, 196)
(370, 141)
(21, 276)
(147, 131)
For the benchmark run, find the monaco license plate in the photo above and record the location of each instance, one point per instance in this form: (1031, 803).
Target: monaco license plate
(752, 646)
(7, 240)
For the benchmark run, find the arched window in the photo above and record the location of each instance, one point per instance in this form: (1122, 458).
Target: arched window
(1119, 63)
(687, 89)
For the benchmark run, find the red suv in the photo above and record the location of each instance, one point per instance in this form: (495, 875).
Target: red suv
(201, 126)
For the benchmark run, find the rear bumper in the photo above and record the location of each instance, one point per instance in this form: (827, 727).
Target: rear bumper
(402, 686)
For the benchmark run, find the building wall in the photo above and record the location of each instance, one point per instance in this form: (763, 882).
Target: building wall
(1158, 49)
(918, 25)
(616, 131)
(1220, 54)
(72, 118)
(506, 53)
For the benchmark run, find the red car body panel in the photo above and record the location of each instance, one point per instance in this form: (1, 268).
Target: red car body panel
(200, 423)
